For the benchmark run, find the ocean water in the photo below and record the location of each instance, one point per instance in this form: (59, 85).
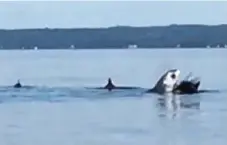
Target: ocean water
(56, 107)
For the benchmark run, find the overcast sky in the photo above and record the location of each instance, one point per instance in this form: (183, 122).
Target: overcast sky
(70, 14)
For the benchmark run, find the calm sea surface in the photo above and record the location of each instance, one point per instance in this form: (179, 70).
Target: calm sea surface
(56, 108)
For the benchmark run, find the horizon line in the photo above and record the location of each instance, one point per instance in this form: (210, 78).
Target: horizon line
(115, 26)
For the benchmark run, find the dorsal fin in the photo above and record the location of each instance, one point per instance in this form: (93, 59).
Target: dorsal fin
(18, 84)
(109, 85)
(109, 81)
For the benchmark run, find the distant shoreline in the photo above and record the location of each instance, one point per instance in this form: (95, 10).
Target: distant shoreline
(221, 48)
(119, 37)
(110, 27)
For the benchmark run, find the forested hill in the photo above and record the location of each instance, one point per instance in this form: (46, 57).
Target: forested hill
(188, 36)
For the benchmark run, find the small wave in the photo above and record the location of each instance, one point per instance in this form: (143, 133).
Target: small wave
(59, 94)
(56, 94)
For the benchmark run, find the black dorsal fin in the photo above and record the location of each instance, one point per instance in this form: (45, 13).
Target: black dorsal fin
(18, 84)
(109, 85)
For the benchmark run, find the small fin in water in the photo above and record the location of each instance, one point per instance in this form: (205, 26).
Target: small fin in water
(110, 86)
(18, 84)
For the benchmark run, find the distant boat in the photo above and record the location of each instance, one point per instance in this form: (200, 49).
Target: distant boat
(72, 47)
(134, 46)
(208, 46)
(35, 48)
(178, 46)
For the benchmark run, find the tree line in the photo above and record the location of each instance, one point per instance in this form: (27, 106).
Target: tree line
(184, 36)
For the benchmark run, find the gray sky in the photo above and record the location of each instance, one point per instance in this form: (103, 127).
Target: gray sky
(70, 14)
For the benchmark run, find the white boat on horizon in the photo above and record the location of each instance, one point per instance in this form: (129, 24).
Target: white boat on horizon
(36, 48)
(132, 46)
